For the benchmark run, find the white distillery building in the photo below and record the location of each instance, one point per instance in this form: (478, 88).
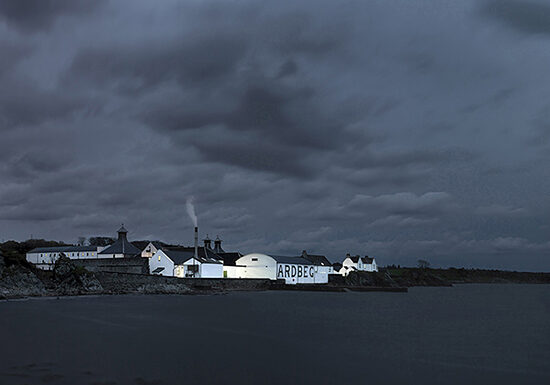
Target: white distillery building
(358, 263)
(294, 270)
(183, 263)
(44, 257)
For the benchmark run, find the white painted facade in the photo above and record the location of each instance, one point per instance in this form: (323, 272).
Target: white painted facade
(357, 263)
(45, 258)
(290, 269)
(257, 265)
(149, 250)
(161, 264)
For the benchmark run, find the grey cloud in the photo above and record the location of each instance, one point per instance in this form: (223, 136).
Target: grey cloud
(24, 104)
(189, 61)
(294, 124)
(525, 16)
(502, 210)
(404, 203)
(36, 15)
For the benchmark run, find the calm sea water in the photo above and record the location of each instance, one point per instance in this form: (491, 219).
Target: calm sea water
(474, 334)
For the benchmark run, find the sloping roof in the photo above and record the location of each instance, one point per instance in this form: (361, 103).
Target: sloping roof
(354, 259)
(180, 255)
(337, 266)
(121, 246)
(143, 244)
(367, 260)
(229, 258)
(319, 260)
(63, 249)
(291, 260)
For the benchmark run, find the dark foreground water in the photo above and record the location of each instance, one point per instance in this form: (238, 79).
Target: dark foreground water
(471, 334)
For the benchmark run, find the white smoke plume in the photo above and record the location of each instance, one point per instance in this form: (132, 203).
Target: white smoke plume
(191, 210)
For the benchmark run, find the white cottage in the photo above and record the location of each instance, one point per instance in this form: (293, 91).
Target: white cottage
(181, 262)
(292, 269)
(352, 263)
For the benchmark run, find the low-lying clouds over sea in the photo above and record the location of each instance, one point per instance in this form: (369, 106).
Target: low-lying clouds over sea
(398, 129)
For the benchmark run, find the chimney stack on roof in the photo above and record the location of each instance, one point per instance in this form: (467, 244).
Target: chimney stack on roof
(196, 242)
(218, 245)
(207, 242)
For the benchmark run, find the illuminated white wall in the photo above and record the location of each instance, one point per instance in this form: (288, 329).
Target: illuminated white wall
(298, 274)
(257, 265)
(211, 270)
(204, 270)
(263, 266)
(348, 265)
(159, 259)
(149, 250)
(234, 271)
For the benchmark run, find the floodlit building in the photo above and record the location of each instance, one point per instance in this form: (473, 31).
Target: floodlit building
(358, 263)
(228, 258)
(293, 270)
(183, 263)
(121, 248)
(44, 257)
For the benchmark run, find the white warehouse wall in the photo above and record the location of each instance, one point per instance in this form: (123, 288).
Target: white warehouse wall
(257, 265)
(159, 259)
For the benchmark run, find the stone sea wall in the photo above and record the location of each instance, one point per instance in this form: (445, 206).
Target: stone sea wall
(136, 265)
(139, 283)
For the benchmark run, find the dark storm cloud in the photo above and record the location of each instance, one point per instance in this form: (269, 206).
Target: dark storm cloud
(220, 84)
(397, 129)
(525, 16)
(35, 15)
(135, 69)
(22, 104)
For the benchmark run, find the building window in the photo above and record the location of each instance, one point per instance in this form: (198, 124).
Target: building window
(254, 259)
(159, 257)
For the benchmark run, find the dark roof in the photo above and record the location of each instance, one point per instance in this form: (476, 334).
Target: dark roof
(367, 260)
(180, 255)
(354, 258)
(121, 246)
(122, 230)
(63, 249)
(337, 266)
(291, 260)
(319, 260)
(143, 244)
(229, 258)
(157, 270)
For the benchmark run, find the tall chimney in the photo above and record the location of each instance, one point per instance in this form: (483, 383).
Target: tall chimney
(196, 242)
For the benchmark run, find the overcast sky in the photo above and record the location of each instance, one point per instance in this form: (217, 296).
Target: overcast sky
(398, 129)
